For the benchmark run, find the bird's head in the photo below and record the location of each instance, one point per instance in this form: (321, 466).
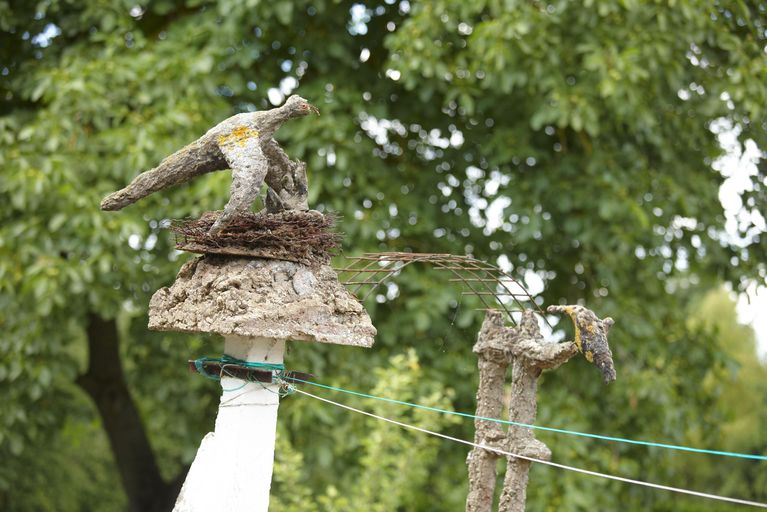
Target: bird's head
(299, 107)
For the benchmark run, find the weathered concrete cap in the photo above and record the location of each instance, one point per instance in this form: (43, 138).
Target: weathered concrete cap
(261, 298)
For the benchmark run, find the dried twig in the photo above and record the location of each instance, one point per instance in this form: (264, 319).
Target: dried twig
(301, 236)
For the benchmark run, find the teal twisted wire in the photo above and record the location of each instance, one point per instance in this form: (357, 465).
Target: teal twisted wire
(538, 427)
(277, 369)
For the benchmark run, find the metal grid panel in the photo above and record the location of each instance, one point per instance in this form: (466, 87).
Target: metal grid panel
(484, 280)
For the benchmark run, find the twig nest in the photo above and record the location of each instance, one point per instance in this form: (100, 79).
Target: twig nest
(261, 298)
(292, 235)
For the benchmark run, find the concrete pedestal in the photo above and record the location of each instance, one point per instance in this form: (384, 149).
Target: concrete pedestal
(256, 304)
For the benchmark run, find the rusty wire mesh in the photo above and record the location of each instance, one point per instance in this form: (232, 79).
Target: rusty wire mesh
(302, 236)
(489, 283)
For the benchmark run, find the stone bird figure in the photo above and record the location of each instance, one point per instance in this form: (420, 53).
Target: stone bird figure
(242, 143)
(591, 337)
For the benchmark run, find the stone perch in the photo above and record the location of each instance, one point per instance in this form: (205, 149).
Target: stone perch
(264, 279)
(257, 305)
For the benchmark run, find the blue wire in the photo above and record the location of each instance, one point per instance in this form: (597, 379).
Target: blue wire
(538, 427)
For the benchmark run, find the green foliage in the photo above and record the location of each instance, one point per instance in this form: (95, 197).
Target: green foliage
(78, 449)
(380, 452)
(739, 409)
(575, 140)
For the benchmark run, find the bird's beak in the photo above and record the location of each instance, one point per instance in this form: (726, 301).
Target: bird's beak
(312, 108)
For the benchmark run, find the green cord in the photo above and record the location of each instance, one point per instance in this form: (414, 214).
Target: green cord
(538, 427)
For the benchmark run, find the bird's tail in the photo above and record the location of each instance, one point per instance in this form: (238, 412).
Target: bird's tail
(181, 166)
(604, 361)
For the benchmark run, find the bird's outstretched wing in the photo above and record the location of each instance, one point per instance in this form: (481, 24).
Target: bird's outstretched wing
(199, 157)
(242, 150)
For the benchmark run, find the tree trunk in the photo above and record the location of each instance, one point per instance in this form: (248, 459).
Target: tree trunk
(104, 382)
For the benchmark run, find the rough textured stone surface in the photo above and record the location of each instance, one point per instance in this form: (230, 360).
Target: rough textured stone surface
(493, 361)
(498, 347)
(288, 184)
(260, 297)
(530, 356)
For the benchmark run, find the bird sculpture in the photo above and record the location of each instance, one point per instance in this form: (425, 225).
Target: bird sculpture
(242, 143)
(591, 337)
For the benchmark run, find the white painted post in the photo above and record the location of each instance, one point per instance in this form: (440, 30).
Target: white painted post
(232, 471)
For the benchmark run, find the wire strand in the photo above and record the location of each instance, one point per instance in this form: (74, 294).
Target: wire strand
(542, 428)
(548, 463)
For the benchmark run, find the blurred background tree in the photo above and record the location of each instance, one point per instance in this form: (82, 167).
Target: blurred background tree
(575, 144)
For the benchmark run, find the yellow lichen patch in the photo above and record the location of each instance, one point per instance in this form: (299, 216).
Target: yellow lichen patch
(578, 339)
(590, 328)
(589, 356)
(238, 135)
(571, 313)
